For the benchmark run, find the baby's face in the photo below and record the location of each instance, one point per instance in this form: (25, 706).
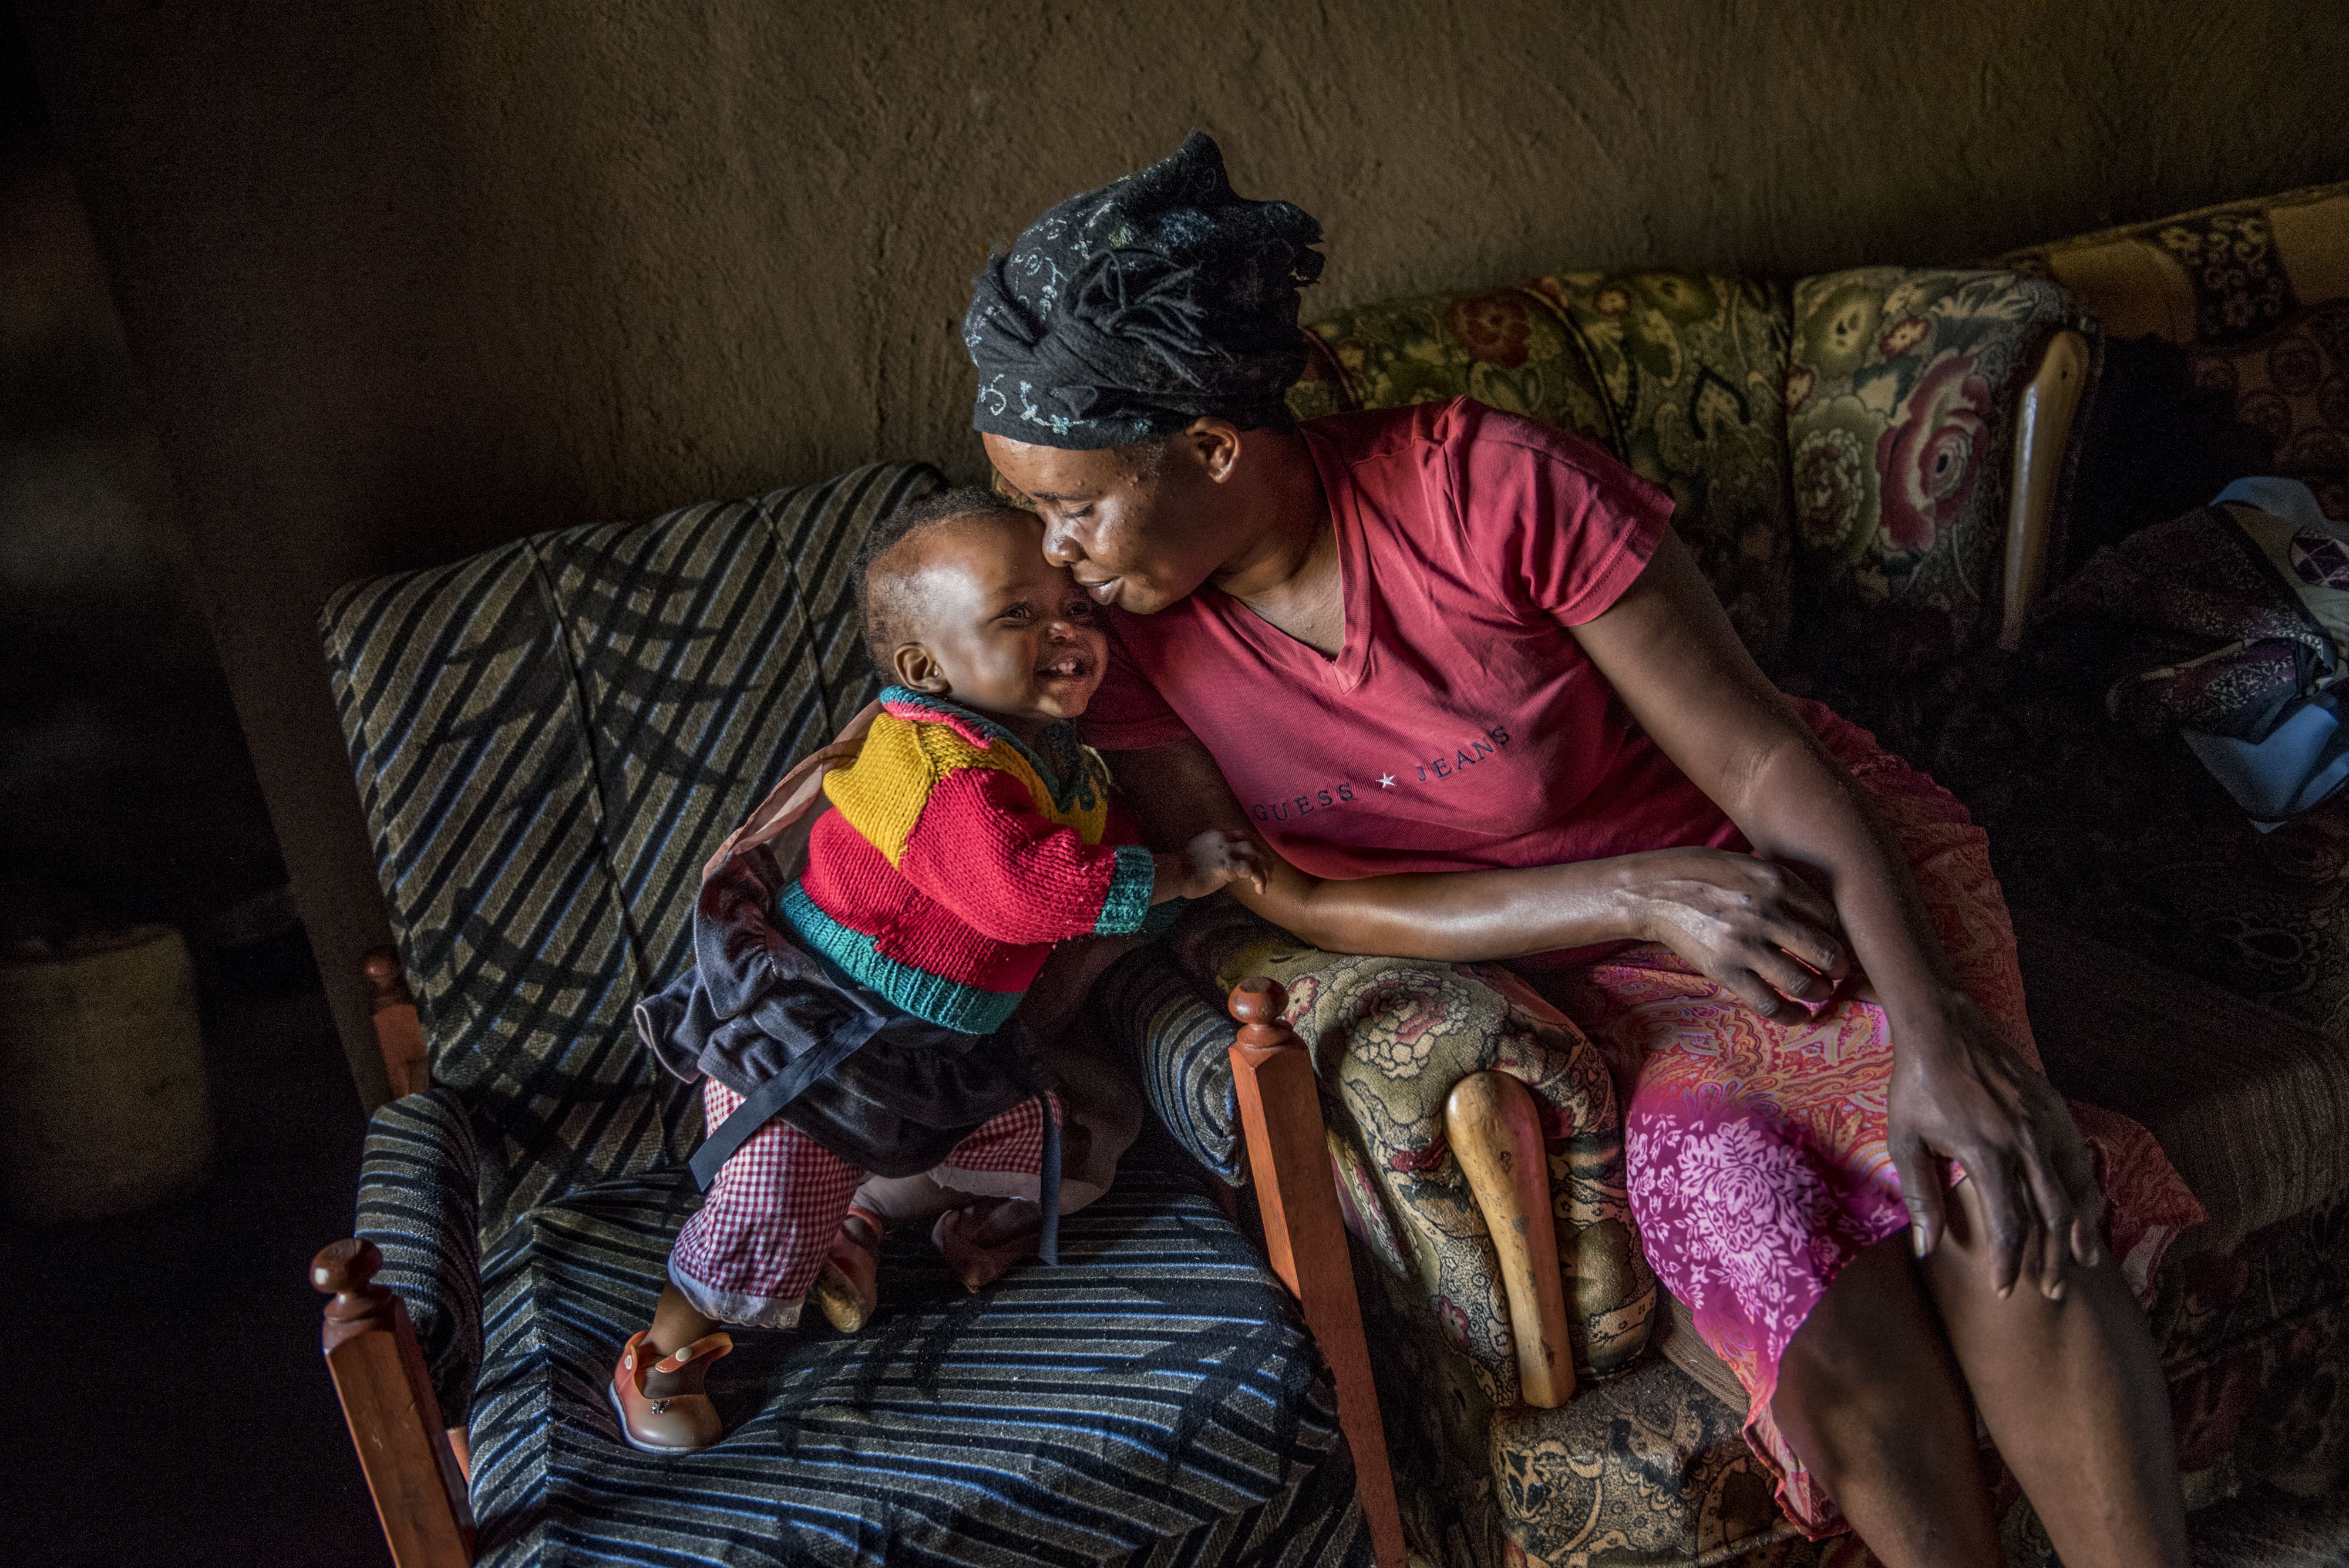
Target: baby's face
(1006, 632)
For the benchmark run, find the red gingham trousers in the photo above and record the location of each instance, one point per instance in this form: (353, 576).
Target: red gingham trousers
(755, 1246)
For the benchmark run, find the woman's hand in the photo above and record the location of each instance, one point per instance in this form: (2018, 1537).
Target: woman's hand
(1961, 1093)
(1753, 926)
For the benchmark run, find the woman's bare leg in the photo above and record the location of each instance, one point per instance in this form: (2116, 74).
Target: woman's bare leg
(2073, 1394)
(2071, 1390)
(1870, 1398)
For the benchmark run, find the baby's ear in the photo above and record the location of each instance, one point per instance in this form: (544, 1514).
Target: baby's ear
(913, 668)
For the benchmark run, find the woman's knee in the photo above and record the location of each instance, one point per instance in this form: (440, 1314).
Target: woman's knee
(1872, 1320)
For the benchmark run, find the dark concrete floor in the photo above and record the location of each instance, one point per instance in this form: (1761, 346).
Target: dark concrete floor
(172, 1405)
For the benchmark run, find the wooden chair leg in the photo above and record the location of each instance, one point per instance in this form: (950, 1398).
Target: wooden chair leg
(397, 1033)
(1496, 1136)
(394, 1416)
(1289, 1166)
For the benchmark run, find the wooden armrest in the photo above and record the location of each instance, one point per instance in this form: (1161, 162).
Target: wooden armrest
(2043, 431)
(1305, 1239)
(397, 1033)
(411, 1467)
(1496, 1136)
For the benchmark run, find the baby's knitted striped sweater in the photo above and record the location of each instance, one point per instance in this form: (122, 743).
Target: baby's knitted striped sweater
(955, 856)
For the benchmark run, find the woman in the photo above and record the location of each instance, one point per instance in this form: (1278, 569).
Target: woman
(1510, 721)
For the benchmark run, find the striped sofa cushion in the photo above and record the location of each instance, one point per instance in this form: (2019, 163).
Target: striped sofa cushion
(1151, 1400)
(548, 738)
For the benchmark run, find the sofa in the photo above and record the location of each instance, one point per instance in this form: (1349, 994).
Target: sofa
(1843, 455)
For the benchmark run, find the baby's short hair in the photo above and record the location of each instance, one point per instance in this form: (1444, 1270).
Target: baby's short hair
(881, 596)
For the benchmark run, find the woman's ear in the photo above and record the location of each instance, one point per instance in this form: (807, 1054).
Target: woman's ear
(1215, 445)
(916, 670)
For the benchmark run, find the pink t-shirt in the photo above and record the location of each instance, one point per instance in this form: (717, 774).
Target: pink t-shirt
(1461, 725)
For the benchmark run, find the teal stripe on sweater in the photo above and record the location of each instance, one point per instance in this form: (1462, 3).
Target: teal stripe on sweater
(949, 1004)
(1127, 905)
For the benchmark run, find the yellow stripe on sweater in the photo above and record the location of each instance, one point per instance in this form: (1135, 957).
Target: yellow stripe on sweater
(882, 792)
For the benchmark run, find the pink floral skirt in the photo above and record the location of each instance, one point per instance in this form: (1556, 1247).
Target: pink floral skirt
(1758, 1158)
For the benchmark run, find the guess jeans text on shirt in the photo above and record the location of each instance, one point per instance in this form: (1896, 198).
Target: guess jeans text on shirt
(1445, 766)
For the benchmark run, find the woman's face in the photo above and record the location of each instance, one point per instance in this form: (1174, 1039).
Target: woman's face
(1139, 526)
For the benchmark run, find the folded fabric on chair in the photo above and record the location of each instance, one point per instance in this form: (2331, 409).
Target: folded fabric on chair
(2263, 574)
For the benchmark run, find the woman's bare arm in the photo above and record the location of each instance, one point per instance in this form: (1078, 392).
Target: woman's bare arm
(1737, 916)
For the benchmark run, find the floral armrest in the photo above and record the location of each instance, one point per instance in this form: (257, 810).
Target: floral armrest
(420, 1186)
(1390, 1038)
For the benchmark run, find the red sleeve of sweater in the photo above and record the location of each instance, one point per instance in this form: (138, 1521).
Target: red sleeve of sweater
(980, 849)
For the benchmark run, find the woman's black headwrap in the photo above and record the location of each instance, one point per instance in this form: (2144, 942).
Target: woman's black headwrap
(1129, 311)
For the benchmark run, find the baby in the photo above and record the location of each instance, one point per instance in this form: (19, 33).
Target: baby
(862, 1020)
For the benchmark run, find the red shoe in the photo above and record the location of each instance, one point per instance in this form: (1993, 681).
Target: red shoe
(680, 1423)
(848, 1288)
(978, 1245)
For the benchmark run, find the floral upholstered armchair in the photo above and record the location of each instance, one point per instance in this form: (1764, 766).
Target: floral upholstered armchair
(1871, 469)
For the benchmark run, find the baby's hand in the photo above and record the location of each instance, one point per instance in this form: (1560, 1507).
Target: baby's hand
(1209, 861)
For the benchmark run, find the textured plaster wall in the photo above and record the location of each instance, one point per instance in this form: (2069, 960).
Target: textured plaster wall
(407, 279)
(125, 795)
